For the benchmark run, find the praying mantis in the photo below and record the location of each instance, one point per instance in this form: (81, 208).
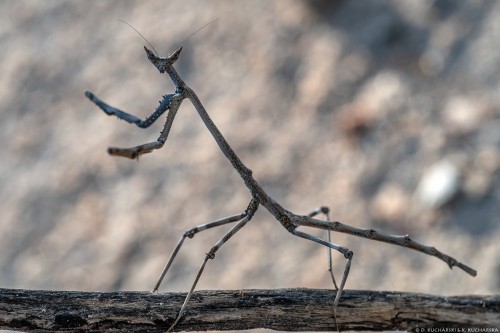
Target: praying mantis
(170, 104)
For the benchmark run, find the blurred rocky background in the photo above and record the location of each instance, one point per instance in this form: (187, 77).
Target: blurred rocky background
(385, 111)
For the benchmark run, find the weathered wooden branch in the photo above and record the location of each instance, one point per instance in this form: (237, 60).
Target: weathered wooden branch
(280, 309)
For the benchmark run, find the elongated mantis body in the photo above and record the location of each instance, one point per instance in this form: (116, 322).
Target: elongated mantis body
(170, 103)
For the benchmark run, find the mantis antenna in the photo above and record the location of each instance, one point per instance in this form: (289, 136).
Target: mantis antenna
(198, 30)
(191, 35)
(140, 35)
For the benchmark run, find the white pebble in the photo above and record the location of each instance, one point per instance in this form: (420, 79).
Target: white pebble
(438, 185)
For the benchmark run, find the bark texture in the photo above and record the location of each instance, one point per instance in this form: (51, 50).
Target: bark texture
(280, 309)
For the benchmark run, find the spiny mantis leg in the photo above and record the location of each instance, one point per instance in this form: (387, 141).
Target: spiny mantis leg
(252, 208)
(345, 251)
(347, 254)
(190, 233)
(326, 211)
(110, 110)
(172, 102)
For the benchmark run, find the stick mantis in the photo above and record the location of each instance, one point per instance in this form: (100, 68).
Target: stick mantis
(290, 221)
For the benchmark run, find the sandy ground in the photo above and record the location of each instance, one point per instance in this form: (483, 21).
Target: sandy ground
(349, 105)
